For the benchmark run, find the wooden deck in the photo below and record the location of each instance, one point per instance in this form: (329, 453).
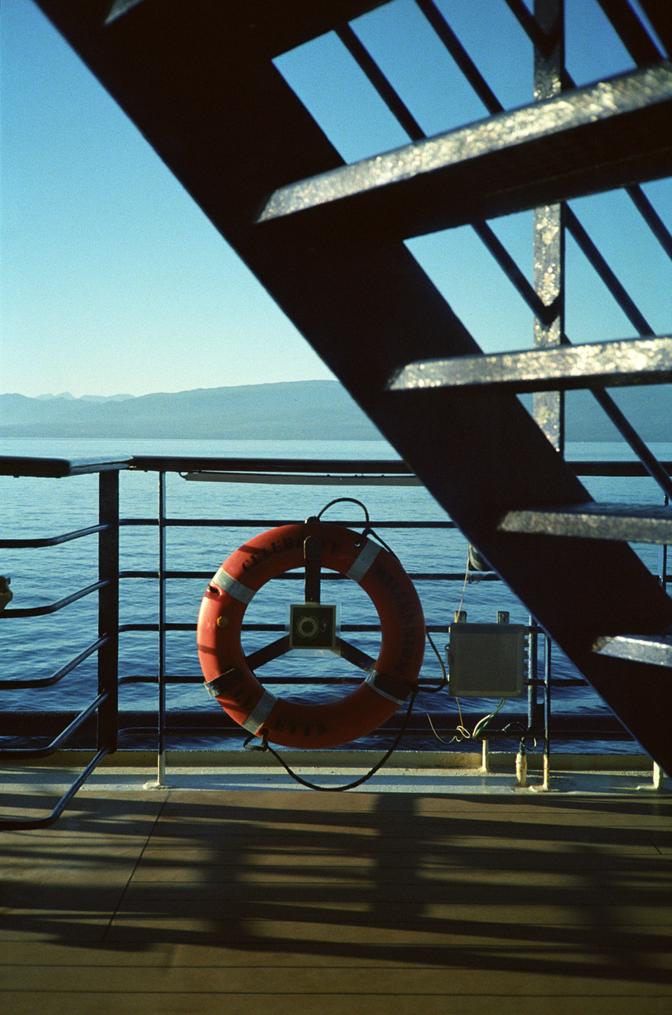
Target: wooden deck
(283, 902)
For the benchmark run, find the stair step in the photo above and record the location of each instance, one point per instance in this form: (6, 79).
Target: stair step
(648, 523)
(609, 134)
(654, 649)
(622, 362)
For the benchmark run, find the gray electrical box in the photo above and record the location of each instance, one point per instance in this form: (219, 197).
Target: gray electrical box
(486, 660)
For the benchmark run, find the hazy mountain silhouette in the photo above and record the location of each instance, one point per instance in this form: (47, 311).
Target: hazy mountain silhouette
(289, 410)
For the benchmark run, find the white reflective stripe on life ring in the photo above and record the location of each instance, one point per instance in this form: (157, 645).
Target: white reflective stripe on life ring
(232, 586)
(260, 712)
(363, 560)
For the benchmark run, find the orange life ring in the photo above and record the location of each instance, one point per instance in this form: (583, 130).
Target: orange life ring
(296, 723)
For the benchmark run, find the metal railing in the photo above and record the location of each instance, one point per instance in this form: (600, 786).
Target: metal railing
(106, 645)
(104, 706)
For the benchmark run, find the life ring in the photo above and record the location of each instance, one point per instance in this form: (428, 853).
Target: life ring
(296, 723)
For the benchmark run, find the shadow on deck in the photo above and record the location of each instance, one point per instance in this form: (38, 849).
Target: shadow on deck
(178, 901)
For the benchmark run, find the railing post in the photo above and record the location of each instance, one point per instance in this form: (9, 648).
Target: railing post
(108, 609)
(162, 629)
(532, 676)
(664, 557)
(161, 717)
(549, 227)
(548, 669)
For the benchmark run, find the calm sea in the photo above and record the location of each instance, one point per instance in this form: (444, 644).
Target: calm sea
(41, 507)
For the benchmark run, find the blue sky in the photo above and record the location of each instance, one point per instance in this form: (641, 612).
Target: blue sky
(114, 281)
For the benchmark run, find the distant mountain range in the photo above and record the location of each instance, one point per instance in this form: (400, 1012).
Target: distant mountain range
(300, 410)
(69, 397)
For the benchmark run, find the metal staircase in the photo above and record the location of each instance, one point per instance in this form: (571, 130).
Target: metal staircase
(326, 239)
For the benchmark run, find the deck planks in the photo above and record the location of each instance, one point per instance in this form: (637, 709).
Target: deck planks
(181, 901)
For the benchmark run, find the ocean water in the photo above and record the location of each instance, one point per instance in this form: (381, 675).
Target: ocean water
(36, 647)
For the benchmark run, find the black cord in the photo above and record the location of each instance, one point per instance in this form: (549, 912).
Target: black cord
(368, 528)
(348, 500)
(265, 746)
(444, 674)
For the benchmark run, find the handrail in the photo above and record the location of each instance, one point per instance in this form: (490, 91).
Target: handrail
(61, 738)
(41, 611)
(194, 463)
(66, 537)
(55, 678)
(48, 467)
(105, 704)
(23, 824)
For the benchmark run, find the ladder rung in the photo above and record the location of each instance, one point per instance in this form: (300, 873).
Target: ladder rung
(655, 649)
(626, 361)
(623, 522)
(606, 135)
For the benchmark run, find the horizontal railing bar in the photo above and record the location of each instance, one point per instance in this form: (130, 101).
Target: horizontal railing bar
(44, 467)
(187, 463)
(40, 611)
(299, 479)
(431, 679)
(272, 523)
(61, 738)
(579, 468)
(413, 730)
(326, 576)
(20, 685)
(287, 681)
(623, 468)
(211, 718)
(124, 628)
(37, 543)
(23, 824)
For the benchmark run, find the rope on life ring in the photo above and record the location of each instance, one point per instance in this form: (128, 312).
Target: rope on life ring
(229, 678)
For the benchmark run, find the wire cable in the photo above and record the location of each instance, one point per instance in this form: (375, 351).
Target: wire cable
(265, 746)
